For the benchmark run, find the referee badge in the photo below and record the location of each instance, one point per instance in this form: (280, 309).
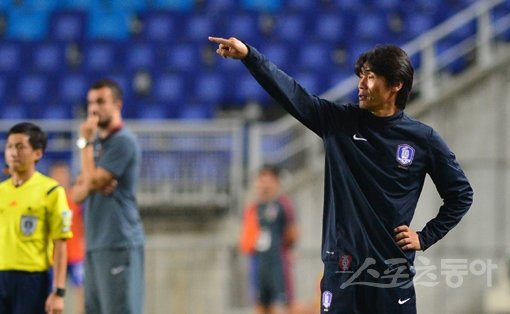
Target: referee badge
(28, 225)
(405, 154)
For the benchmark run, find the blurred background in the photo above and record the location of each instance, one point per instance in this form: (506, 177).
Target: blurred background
(206, 126)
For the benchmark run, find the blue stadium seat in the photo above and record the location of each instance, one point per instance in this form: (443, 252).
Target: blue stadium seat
(33, 88)
(78, 4)
(38, 5)
(15, 111)
(182, 57)
(371, 26)
(300, 5)
(177, 5)
(315, 56)
(56, 111)
(245, 26)
(220, 5)
(68, 26)
(113, 25)
(416, 24)
(198, 27)
(211, 87)
(349, 5)
(246, 88)
(290, 27)
(159, 26)
(101, 56)
(125, 5)
(169, 87)
(72, 88)
(262, 5)
(140, 56)
(198, 111)
(48, 56)
(329, 26)
(27, 24)
(152, 111)
(10, 56)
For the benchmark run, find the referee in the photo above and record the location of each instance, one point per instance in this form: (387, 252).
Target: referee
(35, 222)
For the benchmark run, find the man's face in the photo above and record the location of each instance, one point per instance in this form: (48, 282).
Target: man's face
(267, 186)
(101, 102)
(374, 93)
(19, 154)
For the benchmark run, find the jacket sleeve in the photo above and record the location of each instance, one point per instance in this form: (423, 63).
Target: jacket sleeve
(295, 99)
(454, 189)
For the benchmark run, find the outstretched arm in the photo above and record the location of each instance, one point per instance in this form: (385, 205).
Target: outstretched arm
(305, 107)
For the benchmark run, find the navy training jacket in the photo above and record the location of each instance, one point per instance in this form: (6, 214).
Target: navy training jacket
(374, 172)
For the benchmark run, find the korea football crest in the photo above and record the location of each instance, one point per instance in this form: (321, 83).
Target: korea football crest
(28, 225)
(405, 154)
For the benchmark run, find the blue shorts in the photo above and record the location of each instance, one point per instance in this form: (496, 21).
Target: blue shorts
(76, 273)
(24, 292)
(268, 283)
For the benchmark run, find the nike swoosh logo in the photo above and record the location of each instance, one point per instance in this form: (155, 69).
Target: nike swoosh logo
(117, 270)
(357, 138)
(403, 301)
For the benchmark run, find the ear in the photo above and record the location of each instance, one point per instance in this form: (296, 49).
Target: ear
(397, 87)
(38, 154)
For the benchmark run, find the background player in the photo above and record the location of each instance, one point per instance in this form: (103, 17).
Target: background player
(269, 231)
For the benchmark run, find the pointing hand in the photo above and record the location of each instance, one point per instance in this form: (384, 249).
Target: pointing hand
(230, 48)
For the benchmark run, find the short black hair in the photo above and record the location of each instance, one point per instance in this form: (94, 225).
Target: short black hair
(392, 63)
(36, 136)
(272, 169)
(111, 84)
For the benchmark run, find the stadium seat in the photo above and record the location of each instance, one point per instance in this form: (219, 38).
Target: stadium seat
(315, 56)
(371, 26)
(262, 5)
(198, 27)
(416, 24)
(329, 26)
(38, 5)
(182, 57)
(245, 26)
(169, 87)
(55, 111)
(68, 26)
(48, 56)
(125, 5)
(101, 56)
(220, 5)
(27, 24)
(77, 4)
(279, 53)
(151, 111)
(290, 27)
(246, 88)
(72, 88)
(140, 56)
(10, 56)
(210, 88)
(159, 26)
(197, 111)
(33, 88)
(114, 25)
(14, 111)
(300, 5)
(177, 5)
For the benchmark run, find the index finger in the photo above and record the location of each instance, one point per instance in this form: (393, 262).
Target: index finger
(219, 40)
(401, 228)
